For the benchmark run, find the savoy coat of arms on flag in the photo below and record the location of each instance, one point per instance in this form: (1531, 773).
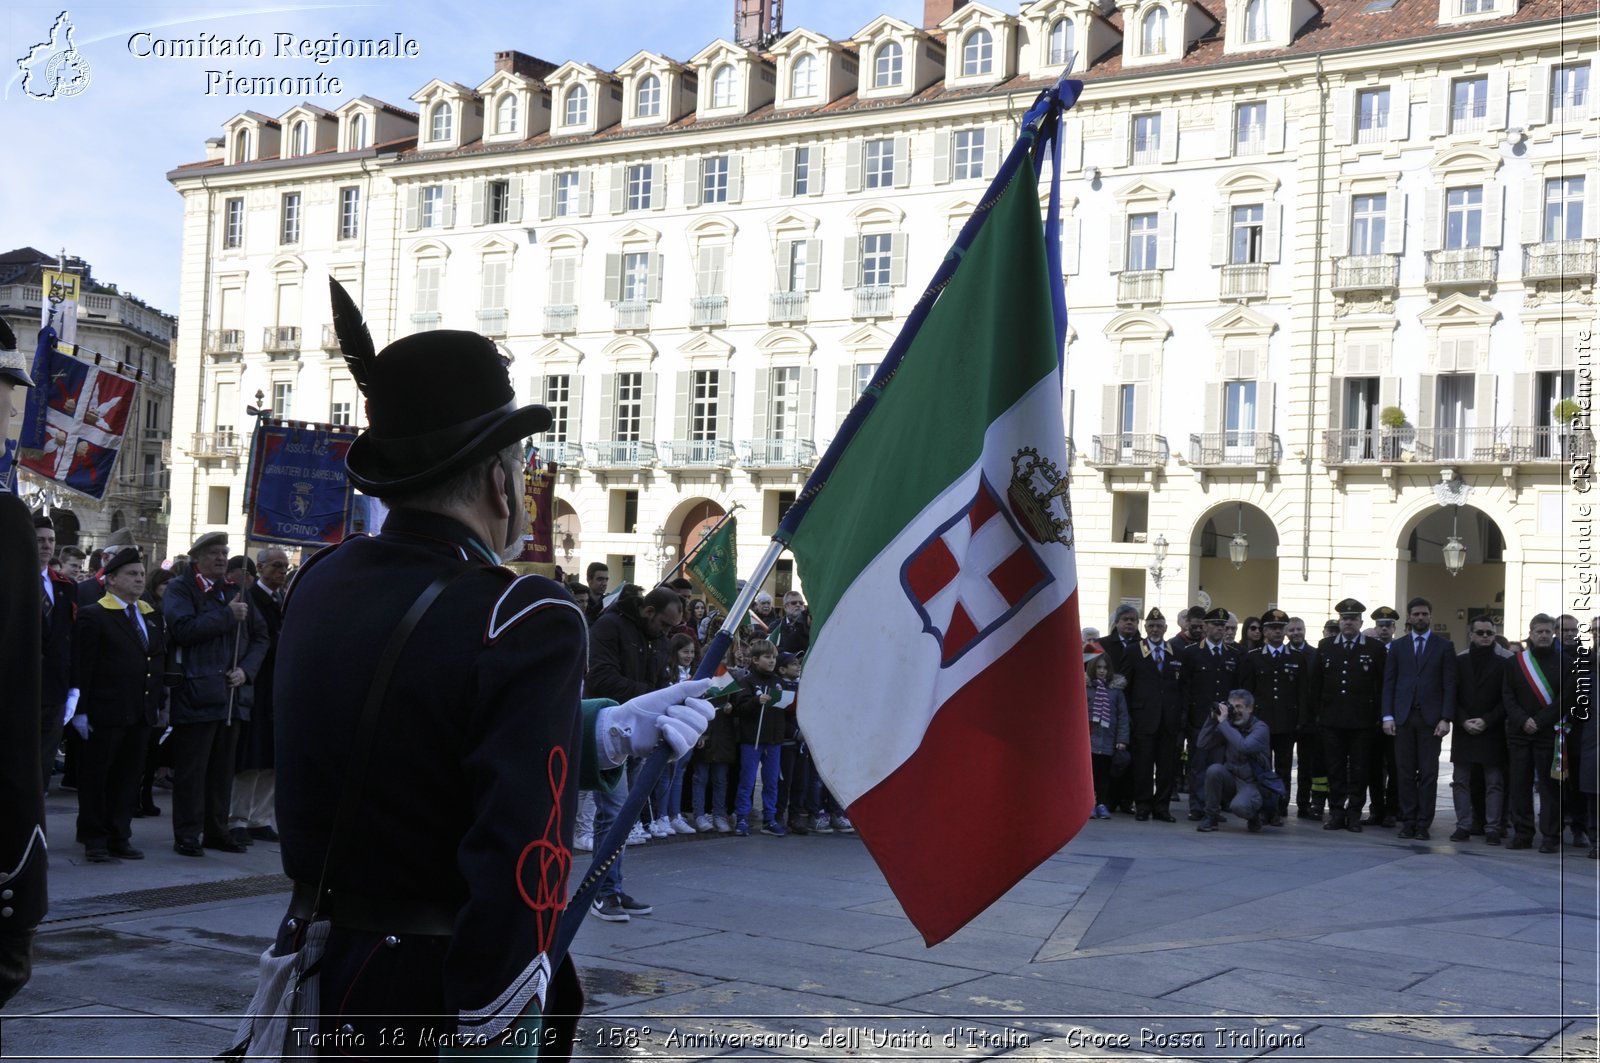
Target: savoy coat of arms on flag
(75, 438)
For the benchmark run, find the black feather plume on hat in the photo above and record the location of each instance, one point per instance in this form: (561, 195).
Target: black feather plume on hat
(8, 339)
(354, 338)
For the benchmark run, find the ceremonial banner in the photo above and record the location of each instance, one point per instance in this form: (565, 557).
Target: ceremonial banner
(8, 467)
(61, 292)
(75, 418)
(297, 491)
(935, 545)
(539, 499)
(714, 564)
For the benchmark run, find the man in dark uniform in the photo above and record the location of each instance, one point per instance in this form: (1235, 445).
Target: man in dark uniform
(444, 902)
(1276, 675)
(59, 613)
(250, 809)
(1155, 703)
(1345, 702)
(1210, 670)
(1311, 784)
(1383, 785)
(23, 860)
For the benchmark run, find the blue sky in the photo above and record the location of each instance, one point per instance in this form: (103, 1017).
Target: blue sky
(88, 172)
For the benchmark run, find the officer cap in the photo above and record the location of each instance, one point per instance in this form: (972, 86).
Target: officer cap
(1218, 615)
(1274, 617)
(1154, 614)
(1384, 614)
(1350, 607)
(207, 541)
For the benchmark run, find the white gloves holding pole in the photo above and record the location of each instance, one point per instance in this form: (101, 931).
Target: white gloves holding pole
(676, 714)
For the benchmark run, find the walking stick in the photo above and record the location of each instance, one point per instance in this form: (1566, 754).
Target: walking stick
(238, 640)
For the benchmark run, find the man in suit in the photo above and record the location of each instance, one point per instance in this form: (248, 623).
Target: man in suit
(119, 658)
(250, 816)
(1156, 707)
(1344, 703)
(1276, 675)
(1210, 670)
(1419, 704)
(59, 613)
(1122, 645)
(1478, 744)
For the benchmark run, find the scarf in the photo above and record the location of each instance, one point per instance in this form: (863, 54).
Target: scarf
(1100, 704)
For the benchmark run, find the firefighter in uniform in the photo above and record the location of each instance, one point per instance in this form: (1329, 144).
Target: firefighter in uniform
(1276, 675)
(1346, 703)
(1210, 669)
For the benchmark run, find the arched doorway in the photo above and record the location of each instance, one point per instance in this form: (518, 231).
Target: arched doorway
(568, 535)
(693, 522)
(1478, 588)
(1250, 585)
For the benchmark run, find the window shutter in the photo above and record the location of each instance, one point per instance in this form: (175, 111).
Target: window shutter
(479, 196)
(815, 177)
(574, 407)
(1432, 219)
(413, 208)
(647, 407)
(514, 201)
(844, 395)
(852, 261)
(658, 185)
(1394, 223)
(1121, 140)
(735, 178)
(619, 189)
(1439, 106)
(1427, 392)
(1445, 361)
(1494, 199)
(897, 259)
(1118, 243)
(1339, 227)
(785, 265)
(1071, 246)
(1591, 204)
(1169, 134)
(1344, 116)
(547, 196)
(586, 193)
(1522, 400)
(653, 282)
(1109, 408)
(1400, 111)
(1336, 403)
(1497, 99)
(991, 153)
(1276, 131)
(613, 278)
(1533, 210)
(680, 405)
(1484, 414)
(1219, 236)
(1165, 221)
(1266, 397)
(725, 405)
(942, 147)
(1388, 392)
(813, 265)
(786, 172)
(1222, 126)
(852, 166)
(1213, 415)
(763, 421)
(1071, 147)
(1141, 409)
(691, 182)
(1249, 363)
(536, 390)
(807, 428)
(608, 407)
(902, 162)
(1547, 352)
(449, 206)
(1272, 233)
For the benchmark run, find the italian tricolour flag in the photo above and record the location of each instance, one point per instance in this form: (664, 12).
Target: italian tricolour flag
(944, 690)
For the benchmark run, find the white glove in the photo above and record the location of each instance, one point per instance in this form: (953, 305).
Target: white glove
(673, 713)
(80, 723)
(72, 704)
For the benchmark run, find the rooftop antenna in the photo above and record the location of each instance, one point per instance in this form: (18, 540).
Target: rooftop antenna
(757, 23)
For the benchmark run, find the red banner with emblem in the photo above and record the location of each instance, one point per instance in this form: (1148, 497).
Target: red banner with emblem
(539, 499)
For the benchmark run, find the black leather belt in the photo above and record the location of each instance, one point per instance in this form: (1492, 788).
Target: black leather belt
(354, 911)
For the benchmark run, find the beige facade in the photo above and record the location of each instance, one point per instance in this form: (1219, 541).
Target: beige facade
(1278, 225)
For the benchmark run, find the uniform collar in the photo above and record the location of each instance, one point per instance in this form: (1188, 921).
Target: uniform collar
(440, 530)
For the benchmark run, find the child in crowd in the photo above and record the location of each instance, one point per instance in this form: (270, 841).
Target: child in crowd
(1108, 724)
(796, 772)
(714, 757)
(667, 799)
(760, 725)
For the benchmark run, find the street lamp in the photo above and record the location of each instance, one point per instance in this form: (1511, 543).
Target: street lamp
(1453, 492)
(1158, 566)
(1455, 552)
(1239, 546)
(663, 549)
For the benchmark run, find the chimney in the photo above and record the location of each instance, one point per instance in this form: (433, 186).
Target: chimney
(936, 11)
(520, 63)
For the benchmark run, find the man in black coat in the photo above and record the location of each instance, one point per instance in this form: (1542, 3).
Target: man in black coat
(250, 816)
(119, 661)
(1536, 695)
(1478, 737)
(59, 614)
(1311, 783)
(793, 632)
(1278, 677)
(1345, 703)
(1210, 671)
(1122, 643)
(1383, 777)
(1156, 708)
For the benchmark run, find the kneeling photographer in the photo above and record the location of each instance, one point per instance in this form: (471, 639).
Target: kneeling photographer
(1233, 730)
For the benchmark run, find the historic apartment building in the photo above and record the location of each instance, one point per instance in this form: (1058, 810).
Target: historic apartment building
(122, 329)
(1283, 220)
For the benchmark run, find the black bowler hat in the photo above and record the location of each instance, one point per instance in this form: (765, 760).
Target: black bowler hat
(436, 402)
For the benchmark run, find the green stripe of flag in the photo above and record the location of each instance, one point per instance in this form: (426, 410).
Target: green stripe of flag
(928, 427)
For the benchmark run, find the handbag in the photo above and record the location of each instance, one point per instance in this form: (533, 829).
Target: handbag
(1272, 782)
(288, 993)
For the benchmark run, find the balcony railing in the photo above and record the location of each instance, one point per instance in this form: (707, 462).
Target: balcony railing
(560, 319)
(1246, 280)
(1147, 156)
(788, 307)
(620, 454)
(1570, 106)
(1559, 260)
(280, 339)
(565, 453)
(424, 320)
(216, 445)
(1252, 141)
(1139, 286)
(1468, 119)
(1466, 265)
(224, 341)
(1373, 134)
(330, 338)
(1235, 448)
(778, 453)
(1355, 272)
(698, 454)
(631, 314)
(874, 301)
(1511, 443)
(708, 311)
(492, 321)
(1131, 449)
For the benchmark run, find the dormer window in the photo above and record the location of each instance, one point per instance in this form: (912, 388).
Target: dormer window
(1153, 32)
(358, 132)
(505, 113)
(441, 121)
(241, 146)
(1476, 7)
(723, 86)
(1063, 41)
(1255, 22)
(977, 54)
(577, 108)
(803, 77)
(888, 66)
(298, 139)
(647, 98)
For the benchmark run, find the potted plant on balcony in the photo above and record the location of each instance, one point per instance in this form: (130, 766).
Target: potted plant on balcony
(1393, 420)
(1564, 417)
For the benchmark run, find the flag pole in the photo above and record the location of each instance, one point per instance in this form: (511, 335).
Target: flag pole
(684, 560)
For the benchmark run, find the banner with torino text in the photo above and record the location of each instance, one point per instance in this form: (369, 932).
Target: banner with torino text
(297, 491)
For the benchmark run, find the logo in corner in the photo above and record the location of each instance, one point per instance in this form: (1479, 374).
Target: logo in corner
(54, 69)
(1038, 497)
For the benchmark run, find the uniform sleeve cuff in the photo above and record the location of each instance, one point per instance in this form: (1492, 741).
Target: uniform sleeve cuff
(597, 769)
